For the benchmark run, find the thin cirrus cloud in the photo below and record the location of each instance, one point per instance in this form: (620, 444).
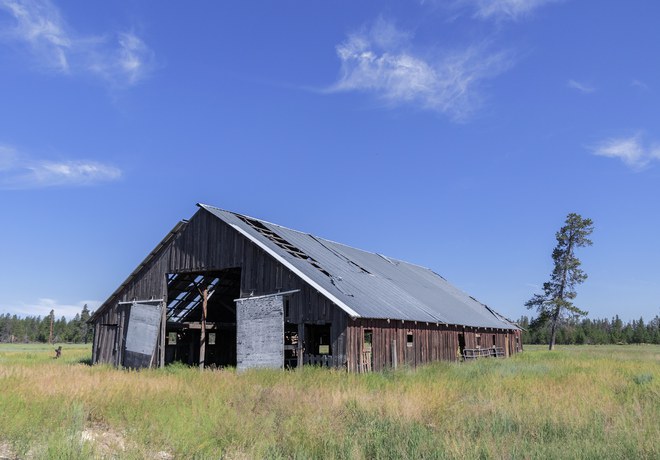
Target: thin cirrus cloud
(382, 60)
(121, 59)
(639, 84)
(630, 150)
(581, 87)
(19, 172)
(504, 9)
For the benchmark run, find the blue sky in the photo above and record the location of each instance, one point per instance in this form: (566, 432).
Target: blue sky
(453, 134)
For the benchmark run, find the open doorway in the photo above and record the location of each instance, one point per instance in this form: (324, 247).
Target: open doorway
(291, 345)
(186, 319)
(317, 346)
(461, 345)
(367, 359)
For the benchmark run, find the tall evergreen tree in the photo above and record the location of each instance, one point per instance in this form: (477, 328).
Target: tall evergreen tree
(617, 329)
(640, 334)
(73, 330)
(85, 330)
(559, 292)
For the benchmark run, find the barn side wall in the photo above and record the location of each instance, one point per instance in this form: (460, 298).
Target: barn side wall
(209, 244)
(427, 342)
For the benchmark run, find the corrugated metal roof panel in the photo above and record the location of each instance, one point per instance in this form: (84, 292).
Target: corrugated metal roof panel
(369, 284)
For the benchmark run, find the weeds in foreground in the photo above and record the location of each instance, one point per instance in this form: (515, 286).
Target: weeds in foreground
(577, 402)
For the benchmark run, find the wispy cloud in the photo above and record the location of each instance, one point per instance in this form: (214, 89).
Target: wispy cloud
(39, 24)
(20, 172)
(631, 150)
(581, 87)
(130, 62)
(639, 84)
(42, 307)
(383, 60)
(505, 9)
(121, 58)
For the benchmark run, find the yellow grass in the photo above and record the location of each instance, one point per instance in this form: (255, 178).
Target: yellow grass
(576, 402)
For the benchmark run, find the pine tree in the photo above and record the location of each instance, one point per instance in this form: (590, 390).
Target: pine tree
(559, 292)
(85, 330)
(639, 331)
(73, 330)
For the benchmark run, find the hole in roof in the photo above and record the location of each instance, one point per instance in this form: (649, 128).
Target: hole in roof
(283, 243)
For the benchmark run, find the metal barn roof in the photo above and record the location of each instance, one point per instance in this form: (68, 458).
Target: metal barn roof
(362, 283)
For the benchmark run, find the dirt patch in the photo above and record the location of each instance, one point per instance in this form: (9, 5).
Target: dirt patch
(6, 452)
(105, 440)
(109, 443)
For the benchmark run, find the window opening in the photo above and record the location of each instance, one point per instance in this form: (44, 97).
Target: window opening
(478, 337)
(368, 339)
(409, 339)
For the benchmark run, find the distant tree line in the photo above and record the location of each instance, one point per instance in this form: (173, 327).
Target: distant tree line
(37, 329)
(577, 331)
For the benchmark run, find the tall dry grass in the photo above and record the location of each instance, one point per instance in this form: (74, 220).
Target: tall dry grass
(580, 402)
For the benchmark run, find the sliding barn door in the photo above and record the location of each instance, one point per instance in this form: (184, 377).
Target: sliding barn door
(141, 335)
(260, 332)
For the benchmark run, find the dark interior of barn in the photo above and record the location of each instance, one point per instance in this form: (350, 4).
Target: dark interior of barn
(186, 321)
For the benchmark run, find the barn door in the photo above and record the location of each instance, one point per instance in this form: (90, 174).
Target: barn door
(260, 332)
(141, 335)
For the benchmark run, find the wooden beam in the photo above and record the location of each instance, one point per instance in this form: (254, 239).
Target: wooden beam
(202, 335)
(163, 333)
(95, 342)
(209, 326)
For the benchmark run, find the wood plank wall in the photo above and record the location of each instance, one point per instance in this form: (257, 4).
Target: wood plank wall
(208, 244)
(430, 342)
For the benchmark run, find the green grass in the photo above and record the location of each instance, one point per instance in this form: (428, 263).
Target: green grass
(576, 402)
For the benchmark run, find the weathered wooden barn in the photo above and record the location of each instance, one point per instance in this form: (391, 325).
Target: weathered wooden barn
(224, 289)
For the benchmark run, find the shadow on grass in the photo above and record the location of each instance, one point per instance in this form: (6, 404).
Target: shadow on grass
(85, 361)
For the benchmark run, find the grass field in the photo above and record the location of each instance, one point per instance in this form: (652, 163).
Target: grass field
(576, 402)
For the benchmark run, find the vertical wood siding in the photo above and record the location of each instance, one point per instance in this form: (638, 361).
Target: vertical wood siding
(430, 342)
(208, 244)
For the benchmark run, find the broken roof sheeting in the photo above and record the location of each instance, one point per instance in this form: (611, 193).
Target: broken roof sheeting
(369, 284)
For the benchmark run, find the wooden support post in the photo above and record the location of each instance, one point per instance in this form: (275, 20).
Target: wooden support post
(163, 333)
(123, 309)
(202, 334)
(95, 341)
